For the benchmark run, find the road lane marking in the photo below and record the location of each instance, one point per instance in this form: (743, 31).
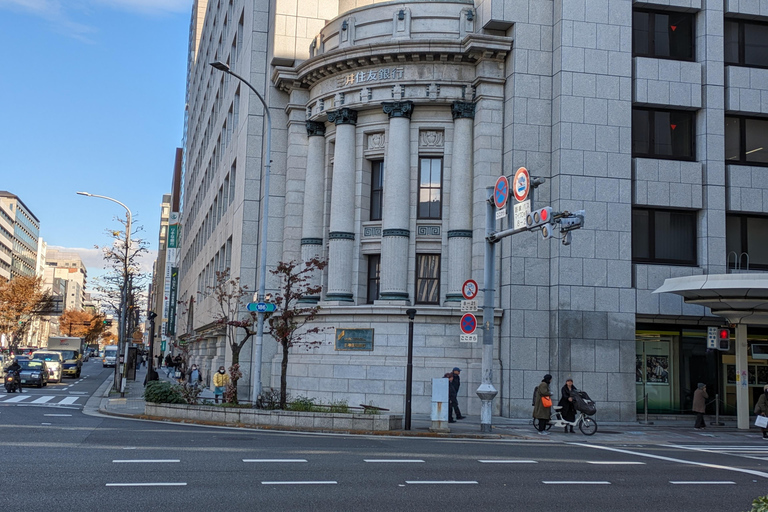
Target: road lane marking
(145, 460)
(47, 424)
(616, 462)
(274, 460)
(702, 482)
(147, 484)
(59, 415)
(672, 459)
(439, 482)
(392, 460)
(15, 399)
(310, 482)
(575, 482)
(69, 400)
(492, 461)
(43, 399)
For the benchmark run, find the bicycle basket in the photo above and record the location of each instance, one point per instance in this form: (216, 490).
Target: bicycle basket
(584, 404)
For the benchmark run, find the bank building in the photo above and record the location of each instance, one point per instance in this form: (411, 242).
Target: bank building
(389, 121)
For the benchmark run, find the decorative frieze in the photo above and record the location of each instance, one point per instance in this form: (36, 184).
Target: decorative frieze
(428, 230)
(341, 235)
(396, 232)
(372, 231)
(431, 139)
(460, 233)
(311, 241)
(375, 141)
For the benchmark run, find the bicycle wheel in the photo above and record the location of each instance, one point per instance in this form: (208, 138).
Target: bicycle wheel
(536, 424)
(588, 426)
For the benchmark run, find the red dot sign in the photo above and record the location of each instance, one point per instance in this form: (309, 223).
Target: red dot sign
(468, 323)
(521, 184)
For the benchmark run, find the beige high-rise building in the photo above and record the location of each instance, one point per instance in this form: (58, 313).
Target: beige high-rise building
(65, 271)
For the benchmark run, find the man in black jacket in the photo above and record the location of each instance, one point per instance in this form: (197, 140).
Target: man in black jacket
(455, 384)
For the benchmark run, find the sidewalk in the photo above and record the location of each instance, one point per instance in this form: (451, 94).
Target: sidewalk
(663, 430)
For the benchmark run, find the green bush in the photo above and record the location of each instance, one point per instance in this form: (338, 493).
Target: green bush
(302, 403)
(162, 392)
(760, 504)
(339, 406)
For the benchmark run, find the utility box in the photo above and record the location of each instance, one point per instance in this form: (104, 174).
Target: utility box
(439, 405)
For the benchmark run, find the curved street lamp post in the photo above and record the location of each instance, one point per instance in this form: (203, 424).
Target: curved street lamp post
(120, 372)
(265, 218)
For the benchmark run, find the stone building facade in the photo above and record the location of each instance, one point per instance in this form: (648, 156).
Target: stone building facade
(389, 122)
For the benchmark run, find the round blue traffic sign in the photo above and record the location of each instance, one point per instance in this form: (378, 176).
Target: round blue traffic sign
(501, 192)
(522, 184)
(468, 323)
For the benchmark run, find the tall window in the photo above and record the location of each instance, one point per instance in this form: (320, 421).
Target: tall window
(377, 188)
(746, 140)
(374, 271)
(746, 43)
(747, 235)
(427, 279)
(232, 181)
(663, 34)
(430, 188)
(664, 236)
(663, 133)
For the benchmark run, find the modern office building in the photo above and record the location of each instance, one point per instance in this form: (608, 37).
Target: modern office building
(66, 272)
(26, 230)
(389, 121)
(6, 241)
(158, 294)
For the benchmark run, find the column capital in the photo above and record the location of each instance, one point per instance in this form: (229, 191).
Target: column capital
(463, 110)
(398, 109)
(342, 116)
(315, 128)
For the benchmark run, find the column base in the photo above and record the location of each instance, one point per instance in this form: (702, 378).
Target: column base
(340, 297)
(314, 299)
(454, 297)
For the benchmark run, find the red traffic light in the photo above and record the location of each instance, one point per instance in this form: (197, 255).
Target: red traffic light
(724, 334)
(544, 215)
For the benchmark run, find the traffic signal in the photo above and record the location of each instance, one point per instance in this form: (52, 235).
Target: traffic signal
(724, 339)
(541, 218)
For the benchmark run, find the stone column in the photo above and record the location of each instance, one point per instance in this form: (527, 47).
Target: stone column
(312, 221)
(395, 220)
(460, 207)
(341, 236)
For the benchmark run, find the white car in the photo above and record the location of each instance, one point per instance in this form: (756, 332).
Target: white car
(53, 361)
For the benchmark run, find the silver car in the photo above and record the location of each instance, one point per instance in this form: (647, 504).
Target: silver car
(53, 361)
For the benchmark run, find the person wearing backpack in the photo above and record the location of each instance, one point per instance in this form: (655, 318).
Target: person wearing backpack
(542, 404)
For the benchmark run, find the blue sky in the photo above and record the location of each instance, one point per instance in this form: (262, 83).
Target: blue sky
(91, 99)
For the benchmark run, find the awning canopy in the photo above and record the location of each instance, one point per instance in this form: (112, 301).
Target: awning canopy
(740, 298)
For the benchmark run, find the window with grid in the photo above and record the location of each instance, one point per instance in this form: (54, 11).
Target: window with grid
(427, 279)
(746, 43)
(377, 188)
(747, 236)
(664, 236)
(746, 140)
(663, 34)
(658, 133)
(374, 271)
(430, 188)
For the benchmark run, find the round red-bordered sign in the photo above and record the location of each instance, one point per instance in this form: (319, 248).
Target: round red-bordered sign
(501, 192)
(468, 323)
(521, 184)
(469, 289)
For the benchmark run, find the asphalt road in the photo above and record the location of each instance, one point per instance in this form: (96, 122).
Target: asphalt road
(57, 458)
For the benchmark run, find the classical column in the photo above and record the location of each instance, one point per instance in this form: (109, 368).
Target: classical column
(460, 207)
(312, 220)
(341, 238)
(395, 219)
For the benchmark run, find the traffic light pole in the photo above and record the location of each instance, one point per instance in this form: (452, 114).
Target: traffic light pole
(486, 391)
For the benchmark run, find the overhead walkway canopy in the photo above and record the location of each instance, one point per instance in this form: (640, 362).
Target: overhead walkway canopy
(742, 299)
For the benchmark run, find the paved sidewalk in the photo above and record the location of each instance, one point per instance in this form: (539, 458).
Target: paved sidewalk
(667, 430)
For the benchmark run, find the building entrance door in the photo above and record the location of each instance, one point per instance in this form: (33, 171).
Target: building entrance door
(655, 373)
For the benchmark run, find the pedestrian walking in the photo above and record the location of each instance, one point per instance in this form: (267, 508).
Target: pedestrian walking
(168, 365)
(144, 360)
(700, 405)
(761, 409)
(194, 376)
(220, 383)
(451, 396)
(542, 411)
(568, 411)
(456, 384)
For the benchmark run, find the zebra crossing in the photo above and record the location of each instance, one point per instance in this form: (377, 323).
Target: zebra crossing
(748, 451)
(31, 399)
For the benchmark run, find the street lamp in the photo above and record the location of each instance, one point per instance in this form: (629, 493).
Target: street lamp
(120, 371)
(265, 217)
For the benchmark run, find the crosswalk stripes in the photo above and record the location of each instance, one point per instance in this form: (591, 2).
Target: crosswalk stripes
(30, 399)
(747, 451)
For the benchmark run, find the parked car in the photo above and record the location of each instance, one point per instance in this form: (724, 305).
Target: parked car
(33, 372)
(53, 361)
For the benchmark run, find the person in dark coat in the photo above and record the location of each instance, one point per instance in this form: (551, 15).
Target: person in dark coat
(700, 405)
(452, 399)
(540, 412)
(455, 383)
(568, 411)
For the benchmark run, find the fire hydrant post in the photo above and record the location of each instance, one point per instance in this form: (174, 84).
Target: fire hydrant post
(439, 405)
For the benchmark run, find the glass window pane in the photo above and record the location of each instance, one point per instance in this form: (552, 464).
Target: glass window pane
(428, 278)
(757, 240)
(733, 234)
(756, 138)
(732, 138)
(640, 33)
(680, 34)
(437, 172)
(640, 132)
(675, 236)
(681, 133)
(755, 44)
(424, 175)
(731, 42)
(662, 134)
(640, 232)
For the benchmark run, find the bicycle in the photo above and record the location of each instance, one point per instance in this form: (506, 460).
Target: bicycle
(586, 423)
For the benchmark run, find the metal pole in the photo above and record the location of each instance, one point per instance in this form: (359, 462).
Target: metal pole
(645, 411)
(717, 411)
(151, 372)
(256, 390)
(486, 391)
(409, 370)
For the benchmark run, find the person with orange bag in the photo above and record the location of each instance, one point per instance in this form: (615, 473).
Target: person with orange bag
(542, 404)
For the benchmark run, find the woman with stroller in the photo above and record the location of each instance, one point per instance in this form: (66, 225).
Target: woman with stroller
(568, 411)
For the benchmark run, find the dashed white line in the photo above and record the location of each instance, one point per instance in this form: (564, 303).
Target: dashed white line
(145, 460)
(147, 484)
(59, 415)
(576, 482)
(616, 462)
(440, 482)
(392, 460)
(492, 461)
(310, 482)
(274, 460)
(701, 482)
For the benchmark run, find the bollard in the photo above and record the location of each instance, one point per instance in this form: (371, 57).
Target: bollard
(645, 411)
(717, 412)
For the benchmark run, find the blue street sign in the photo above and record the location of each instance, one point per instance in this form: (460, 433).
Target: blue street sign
(501, 192)
(468, 323)
(261, 307)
